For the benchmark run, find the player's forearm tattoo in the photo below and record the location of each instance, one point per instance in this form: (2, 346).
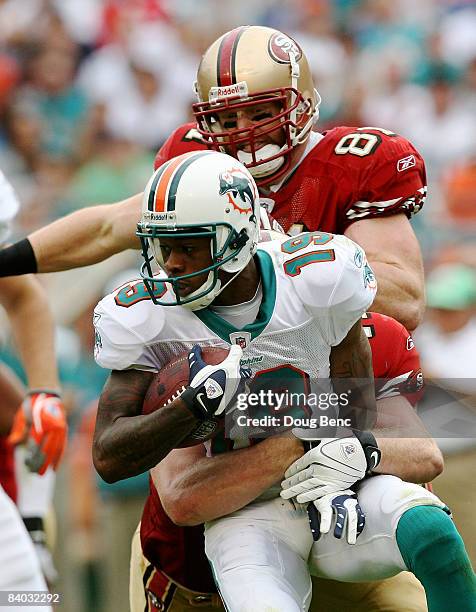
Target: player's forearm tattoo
(357, 366)
(124, 392)
(351, 372)
(127, 443)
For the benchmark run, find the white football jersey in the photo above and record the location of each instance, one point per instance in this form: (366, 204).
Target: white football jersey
(315, 287)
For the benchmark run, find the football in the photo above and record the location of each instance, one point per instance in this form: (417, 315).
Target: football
(169, 383)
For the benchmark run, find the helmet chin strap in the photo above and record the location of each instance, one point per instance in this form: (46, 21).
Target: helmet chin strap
(214, 293)
(263, 169)
(206, 300)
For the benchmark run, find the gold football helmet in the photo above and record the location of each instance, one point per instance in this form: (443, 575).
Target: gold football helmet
(246, 67)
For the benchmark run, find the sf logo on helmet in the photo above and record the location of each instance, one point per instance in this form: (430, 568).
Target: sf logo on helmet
(239, 189)
(280, 46)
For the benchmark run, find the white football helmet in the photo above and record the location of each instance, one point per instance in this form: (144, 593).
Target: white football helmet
(197, 194)
(256, 65)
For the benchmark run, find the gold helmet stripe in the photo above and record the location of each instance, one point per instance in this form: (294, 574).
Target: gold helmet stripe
(226, 69)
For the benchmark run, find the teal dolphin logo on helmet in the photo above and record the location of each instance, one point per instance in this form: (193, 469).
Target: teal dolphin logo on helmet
(235, 183)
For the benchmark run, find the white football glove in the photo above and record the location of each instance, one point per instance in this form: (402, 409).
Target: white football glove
(345, 508)
(332, 464)
(213, 387)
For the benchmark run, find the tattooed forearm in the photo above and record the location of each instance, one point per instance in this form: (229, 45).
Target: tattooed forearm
(351, 371)
(127, 443)
(359, 365)
(124, 393)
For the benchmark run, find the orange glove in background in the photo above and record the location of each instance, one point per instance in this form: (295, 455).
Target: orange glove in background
(40, 424)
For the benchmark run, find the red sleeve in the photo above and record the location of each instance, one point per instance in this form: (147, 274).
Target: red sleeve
(396, 361)
(408, 373)
(7, 468)
(177, 551)
(391, 176)
(184, 139)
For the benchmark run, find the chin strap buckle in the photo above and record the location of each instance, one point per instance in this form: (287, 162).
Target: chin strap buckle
(240, 241)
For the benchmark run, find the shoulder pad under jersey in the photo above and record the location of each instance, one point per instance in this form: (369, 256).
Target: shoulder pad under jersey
(332, 278)
(126, 322)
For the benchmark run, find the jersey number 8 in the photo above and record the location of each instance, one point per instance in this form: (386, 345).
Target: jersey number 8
(361, 143)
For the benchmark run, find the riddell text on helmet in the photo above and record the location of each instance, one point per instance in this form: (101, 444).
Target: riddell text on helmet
(239, 89)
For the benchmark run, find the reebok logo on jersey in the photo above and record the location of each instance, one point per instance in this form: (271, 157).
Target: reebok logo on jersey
(405, 163)
(410, 343)
(359, 257)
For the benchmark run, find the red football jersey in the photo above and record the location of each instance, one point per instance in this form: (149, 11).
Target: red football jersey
(179, 551)
(349, 174)
(395, 359)
(7, 468)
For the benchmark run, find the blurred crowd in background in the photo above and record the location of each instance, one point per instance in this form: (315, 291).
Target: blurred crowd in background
(89, 89)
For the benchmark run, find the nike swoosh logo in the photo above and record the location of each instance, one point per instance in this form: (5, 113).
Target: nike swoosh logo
(199, 399)
(374, 457)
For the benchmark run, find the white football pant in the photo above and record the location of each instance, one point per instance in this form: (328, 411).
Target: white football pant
(259, 557)
(376, 554)
(19, 564)
(262, 555)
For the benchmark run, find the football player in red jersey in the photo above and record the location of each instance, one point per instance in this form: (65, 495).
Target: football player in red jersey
(257, 102)
(173, 568)
(12, 393)
(33, 417)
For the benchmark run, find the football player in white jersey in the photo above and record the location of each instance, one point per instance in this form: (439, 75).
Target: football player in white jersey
(280, 305)
(39, 423)
(292, 307)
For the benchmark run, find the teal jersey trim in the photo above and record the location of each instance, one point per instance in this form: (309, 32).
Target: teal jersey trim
(223, 329)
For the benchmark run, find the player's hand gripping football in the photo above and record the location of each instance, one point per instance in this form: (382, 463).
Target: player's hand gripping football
(212, 388)
(40, 424)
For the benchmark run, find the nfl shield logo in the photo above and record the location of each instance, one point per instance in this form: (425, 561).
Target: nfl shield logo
(348, 450)
(242, 339)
